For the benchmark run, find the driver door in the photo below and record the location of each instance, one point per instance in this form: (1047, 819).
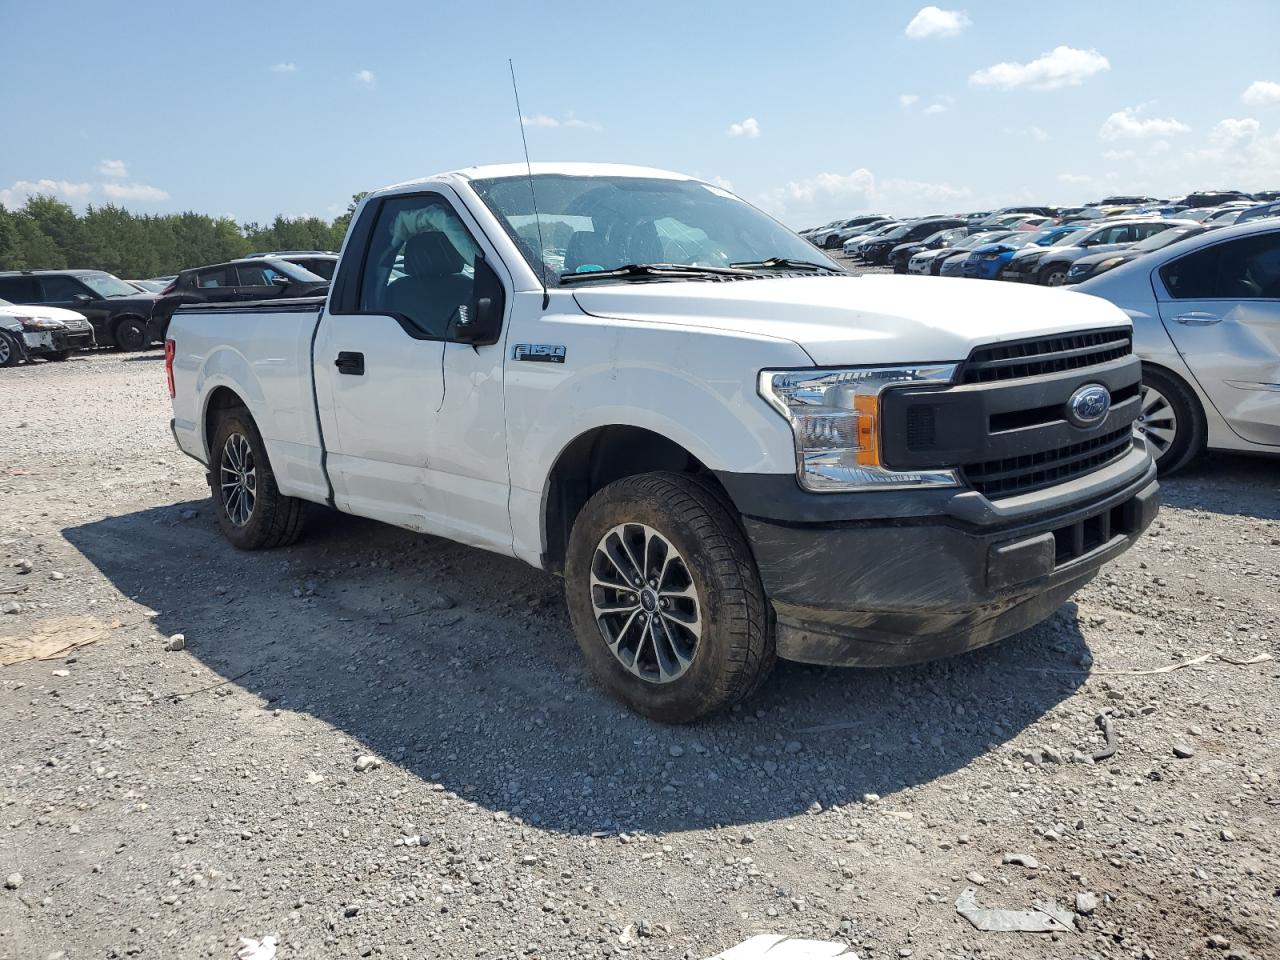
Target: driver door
(412, 418)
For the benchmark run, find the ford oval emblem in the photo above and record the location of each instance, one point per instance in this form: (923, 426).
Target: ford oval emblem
(1089, 405)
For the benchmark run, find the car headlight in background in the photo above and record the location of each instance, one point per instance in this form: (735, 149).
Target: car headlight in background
(835, 420)
(40, 323)
(1108, 264)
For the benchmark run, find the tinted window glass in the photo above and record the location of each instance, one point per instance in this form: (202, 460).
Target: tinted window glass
(19, 289)
(420, 264)
(58, 289)
(256, 275)
(216, 277)
(1244, 269)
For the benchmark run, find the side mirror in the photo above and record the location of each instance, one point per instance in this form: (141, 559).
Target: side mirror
(82, 298)
(483, 323)
(280, 281)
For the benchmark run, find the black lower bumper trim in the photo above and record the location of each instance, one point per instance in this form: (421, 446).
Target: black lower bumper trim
(886, 593)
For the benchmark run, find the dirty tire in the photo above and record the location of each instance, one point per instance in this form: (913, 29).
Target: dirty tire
(735, 650)
(9, 352)
(131, 334)
(1190, 429)
(274, 520)
(1053, 277)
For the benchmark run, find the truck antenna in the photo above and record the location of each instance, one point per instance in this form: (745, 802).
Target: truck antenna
(542, 262)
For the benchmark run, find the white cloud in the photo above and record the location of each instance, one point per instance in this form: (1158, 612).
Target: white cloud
(1121, 154)
(570, 121)
(1060, 67)
(365, 77)
(1074, 178)
(113, 168)
(830, 194)
(290, 68)
(722, 183)
(935, 22)
(908, 99)
(17, 194)
(1261, 93)
(1039, 134)
(1231, 132)
(134, 191)
(898, 192)
(749, 127)
(1158, 148)
(935, 108)
(1127, 124)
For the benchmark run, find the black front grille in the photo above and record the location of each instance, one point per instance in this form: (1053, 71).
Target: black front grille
(1035, 471)
(1042, 355)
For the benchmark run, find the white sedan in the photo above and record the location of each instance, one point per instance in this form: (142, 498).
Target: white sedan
(28, 331)
(1206, 323)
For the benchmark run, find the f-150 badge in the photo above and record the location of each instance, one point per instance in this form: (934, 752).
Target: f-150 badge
(539, 352)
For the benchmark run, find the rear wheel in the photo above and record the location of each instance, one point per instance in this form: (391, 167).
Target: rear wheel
(131, 334)
(9, 352)
(1171, 421)
(251, 510)
(665, 598)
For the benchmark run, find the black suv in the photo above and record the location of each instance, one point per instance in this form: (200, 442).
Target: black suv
(253, 278)
(121, 316)
(320, 262)
(876, 253)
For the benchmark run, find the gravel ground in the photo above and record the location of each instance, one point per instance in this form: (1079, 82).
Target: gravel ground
(161, 802)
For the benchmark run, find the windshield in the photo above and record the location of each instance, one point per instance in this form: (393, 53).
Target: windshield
(898, 232)
(979, 239)
(1055, 237)
(105, 285)
(592, 224)
(1165, 237)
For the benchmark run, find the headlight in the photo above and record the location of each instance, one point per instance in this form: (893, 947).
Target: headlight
(40, 323)
(1108, 264)
(835, 421)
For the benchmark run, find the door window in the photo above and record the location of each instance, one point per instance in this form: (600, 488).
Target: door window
(256, 275)
(420, 265)
(216, 277)
(1243, 269)
(1143, 230)
(60, 289)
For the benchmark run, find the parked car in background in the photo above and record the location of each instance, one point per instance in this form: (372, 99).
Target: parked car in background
(1224, 216)
(319, 262)
(833, 236)
(149, 286)
(1048, 266)
(1260, 211)
(932, 262)
(1088, 267)
(1206, 324)
(876, 253)
(987, 261)
(254, 278)
(903, 252)
(29, 331)
(119, 313)
(1213, 198)
(853, 246)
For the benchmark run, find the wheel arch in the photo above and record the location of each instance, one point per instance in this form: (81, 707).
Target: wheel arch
(593, 460)
(219, 400)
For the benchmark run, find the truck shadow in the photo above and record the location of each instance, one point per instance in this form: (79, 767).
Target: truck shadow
(1227, 483)
(460, 666)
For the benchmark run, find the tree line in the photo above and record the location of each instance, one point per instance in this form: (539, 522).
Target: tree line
(47, 234)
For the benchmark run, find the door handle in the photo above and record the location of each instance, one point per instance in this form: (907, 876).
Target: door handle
(350, 363)
(1197, 319)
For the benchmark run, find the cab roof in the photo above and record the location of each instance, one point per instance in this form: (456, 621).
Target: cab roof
(499, 170)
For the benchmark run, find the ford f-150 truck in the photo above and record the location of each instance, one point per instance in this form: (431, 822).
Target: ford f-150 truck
(730, 448)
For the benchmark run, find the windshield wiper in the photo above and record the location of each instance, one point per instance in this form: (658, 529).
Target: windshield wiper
(645, 270)
(785, 263)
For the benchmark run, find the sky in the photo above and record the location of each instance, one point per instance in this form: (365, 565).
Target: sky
(809, 110)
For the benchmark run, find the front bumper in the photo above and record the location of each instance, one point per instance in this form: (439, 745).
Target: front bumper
(939, 572)
(40, 342)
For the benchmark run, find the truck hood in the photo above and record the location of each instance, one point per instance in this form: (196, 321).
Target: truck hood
(845, 320)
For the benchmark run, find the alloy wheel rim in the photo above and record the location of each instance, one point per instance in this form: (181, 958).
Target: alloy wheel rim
(1157, 422)
(4, 349)
(1056, 279)
(645, 603)
(239, 479)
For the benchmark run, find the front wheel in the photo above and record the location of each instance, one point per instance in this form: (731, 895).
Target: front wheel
(1170, 420)
(1054, 276)
(131, 334)
(665, 598)
(251, 510)
(9, 352)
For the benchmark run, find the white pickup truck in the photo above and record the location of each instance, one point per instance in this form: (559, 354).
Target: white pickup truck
(730, 448)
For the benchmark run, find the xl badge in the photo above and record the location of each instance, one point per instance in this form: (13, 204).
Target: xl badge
(1089, 405)
(539, 352)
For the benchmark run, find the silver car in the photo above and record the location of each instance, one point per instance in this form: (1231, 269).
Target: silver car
(1206, 323)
